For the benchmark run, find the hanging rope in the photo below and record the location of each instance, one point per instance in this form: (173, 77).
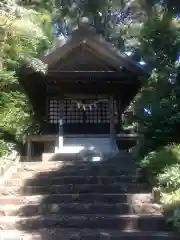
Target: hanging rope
(90, 106)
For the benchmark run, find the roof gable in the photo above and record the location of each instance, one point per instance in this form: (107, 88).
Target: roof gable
(82, 58)
(85, 37)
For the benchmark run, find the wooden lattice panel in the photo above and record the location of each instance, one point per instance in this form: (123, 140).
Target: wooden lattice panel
(72, 114)
(53, 111)
(98, 114)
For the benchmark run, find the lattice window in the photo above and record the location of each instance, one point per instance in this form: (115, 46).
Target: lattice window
(73, 114)
(98, 114)
(54, 111)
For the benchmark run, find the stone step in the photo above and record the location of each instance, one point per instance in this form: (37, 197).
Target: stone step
(67, 198)
(71, 180)
(124, 163)
(75, 171)
(64, 208)
(57, 164)
(120, 222)
(86, 234)
(98, 169)
(78, 189)
(78, 208)
(54, 174)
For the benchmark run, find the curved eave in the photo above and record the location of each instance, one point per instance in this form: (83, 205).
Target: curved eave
(34, 87)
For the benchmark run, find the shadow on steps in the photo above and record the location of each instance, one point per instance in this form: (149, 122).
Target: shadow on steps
(64, 199)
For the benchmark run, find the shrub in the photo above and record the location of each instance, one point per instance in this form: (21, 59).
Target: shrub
(171, 204)
(155, 162)
(169, 180)
(163, 168)
(171, 198)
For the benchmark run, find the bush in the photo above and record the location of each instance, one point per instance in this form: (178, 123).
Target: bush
(171, 205)
(169, 180)
(162, 167)
(155, 162)
(172, 198)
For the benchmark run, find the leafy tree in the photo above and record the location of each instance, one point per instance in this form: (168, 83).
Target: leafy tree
(23, 35)
(160, 41)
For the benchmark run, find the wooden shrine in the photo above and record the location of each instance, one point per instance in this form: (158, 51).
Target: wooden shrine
(88, 85)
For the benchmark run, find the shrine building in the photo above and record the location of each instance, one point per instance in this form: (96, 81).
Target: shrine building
(83, 94)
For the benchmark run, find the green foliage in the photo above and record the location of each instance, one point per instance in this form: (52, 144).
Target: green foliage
(156, 28)
(24, 36)
(121, 33)
(159, 43)
(162, 167)
(171, 204)
(16, 112)
(24, 33)
(172, 198)
(38, 5)
(155, 162)
(170, 178)
(6, 148)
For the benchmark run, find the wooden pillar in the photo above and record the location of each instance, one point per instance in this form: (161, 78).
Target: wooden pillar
(119, 115)
(112, 127)
(60, 124)
(29, 150)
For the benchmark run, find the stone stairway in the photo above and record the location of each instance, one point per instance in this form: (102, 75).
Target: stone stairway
(79, 200)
